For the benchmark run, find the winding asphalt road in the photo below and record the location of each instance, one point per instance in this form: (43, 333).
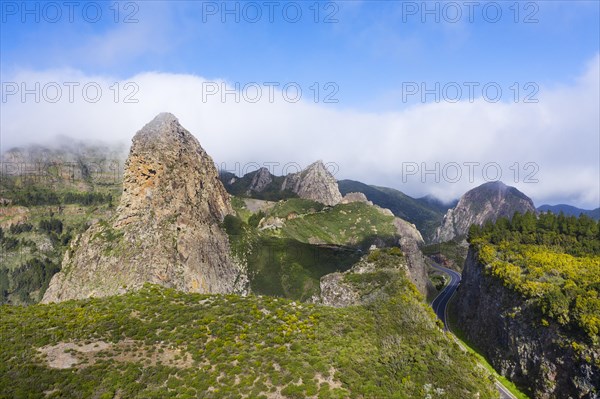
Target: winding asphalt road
(440, 302)
(440, 307)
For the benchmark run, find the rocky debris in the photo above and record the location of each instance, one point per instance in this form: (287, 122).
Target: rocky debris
(486, 202)
(315, 183)
(271, 223)
(508, 331)
(355, 197)
(166, 229)
(256, 205)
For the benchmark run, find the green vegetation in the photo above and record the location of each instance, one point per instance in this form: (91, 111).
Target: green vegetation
(553, 261)
(345, 224)
(158, 343)
(313, 240)
(295, 206)
(30, 257)
(35, 196)
(426, 214)
(40, 217)
(450, 254)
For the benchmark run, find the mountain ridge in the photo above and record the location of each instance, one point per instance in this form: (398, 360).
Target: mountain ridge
(570, 210)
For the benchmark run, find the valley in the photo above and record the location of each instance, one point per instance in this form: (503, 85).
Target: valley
(177, 281)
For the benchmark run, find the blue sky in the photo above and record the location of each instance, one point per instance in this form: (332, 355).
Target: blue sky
(372, 48)
(369, 49)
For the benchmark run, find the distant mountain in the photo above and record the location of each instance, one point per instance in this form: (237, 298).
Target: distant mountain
(486, 202)
(570, 210)
(314, 183)
(66, 164)
(426, 213)
(260, 184)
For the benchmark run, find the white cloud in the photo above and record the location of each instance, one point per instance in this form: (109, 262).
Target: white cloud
(560, 134)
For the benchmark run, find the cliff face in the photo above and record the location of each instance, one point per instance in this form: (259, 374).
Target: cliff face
(541, 359)
(410, 242)
(66, 164)
(261, 179)
(486, 202)
(166, 229)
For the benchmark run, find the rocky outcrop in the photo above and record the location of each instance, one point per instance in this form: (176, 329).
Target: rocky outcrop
(486, 202)
(315, 183)
(166, 229)
(355, 197)
(540, 359)
(416, 264)
(338, 291)
(260, 180)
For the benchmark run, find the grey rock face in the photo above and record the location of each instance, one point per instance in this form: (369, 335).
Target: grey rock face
(486, 202)
(166, 229)
(355, 197)
(261, 179)
(315, 183)
(507, 329)
(410, 242)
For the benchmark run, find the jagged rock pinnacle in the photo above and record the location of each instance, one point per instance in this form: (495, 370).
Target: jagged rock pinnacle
(166, 229)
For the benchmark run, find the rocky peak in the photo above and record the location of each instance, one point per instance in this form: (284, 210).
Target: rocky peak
(261, 179)
(486, 202)
(166, 169)
(315, 183)
(166, 229)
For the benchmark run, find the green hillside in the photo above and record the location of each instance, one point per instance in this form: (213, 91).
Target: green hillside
(553, 261)
(159, 343)
(426, 214)
(36, 229)
(239, 186)
(310, 240)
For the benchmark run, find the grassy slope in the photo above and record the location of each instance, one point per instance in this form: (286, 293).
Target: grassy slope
(163, 343)
(344, 224)
(286, 262)
(424, 215)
